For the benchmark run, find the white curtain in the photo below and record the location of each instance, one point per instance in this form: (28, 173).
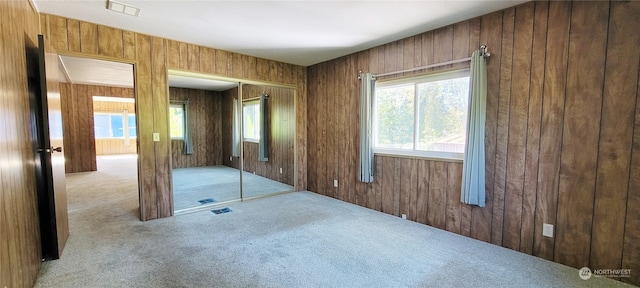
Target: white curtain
(235, 135)
(473, 173)
(367, 90)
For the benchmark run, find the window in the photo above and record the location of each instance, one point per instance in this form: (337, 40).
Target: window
(424, 116)
(176, 114)
(111, 125)
(251, 121)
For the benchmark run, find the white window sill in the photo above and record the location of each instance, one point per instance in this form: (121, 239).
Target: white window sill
(425, 155)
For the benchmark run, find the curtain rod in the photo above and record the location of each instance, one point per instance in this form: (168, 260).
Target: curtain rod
(483, 51)
(179, 101)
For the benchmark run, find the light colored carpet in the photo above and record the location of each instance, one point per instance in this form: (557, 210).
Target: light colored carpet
(298, 239)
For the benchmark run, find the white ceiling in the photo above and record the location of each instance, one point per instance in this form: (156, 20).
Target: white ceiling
(297, 32)
(200, 83)
(87, 71)
(95, 72)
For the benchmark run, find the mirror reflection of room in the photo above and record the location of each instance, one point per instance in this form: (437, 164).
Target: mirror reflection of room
(196, 121)
(211, 128)
(268, 137)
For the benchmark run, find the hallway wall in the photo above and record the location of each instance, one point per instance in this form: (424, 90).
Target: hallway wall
(20, 252)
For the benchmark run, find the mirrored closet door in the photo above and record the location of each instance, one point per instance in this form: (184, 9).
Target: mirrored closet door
(219, 128)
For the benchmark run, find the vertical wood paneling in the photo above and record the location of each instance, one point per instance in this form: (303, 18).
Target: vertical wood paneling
(193, 57)
(88, 38)
(183, 56)
(146, 154)
(616, 136)
(221, 62)
(58, 30)
(422, 200)
(443, 44)
(353, 113)
(161, 124)
(207, 64)
(388, 165)
(173, 54)
(517, 125)
(436, 208)
(129, 45)
(551, 128)
(73, 35)
(110, 42)
(631, 247)
(19, 230)
(237, 65)
(502, 130)
(583, 105)
(408, 185)
(533, 129)
(454, 206)
(312, 125)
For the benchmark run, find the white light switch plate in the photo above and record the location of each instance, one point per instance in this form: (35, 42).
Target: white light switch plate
(156, 137)
(335, 183)
(547, 230)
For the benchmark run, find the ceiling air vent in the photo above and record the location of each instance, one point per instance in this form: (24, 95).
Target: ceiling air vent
(123, 8)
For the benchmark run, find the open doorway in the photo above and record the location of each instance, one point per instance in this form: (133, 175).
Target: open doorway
(100, 134)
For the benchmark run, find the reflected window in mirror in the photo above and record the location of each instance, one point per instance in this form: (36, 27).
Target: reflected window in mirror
(176, 114)
(251, 121)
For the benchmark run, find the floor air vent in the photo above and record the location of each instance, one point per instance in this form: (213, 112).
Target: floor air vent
(205, 201)
(220, 211)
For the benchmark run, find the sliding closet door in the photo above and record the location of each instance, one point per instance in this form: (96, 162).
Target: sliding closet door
(268, 117)
(204, 173)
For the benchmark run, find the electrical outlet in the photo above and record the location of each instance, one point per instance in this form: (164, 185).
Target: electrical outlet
(156, 137)
(404, 216)
(280, 170)
(335, 183)
(547, 230)
(231, 158)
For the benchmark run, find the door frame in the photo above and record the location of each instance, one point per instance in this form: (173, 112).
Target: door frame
(134, 65)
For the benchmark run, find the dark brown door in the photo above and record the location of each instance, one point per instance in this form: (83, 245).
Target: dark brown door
(46, 131)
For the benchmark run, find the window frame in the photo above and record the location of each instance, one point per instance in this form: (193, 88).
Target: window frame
(414, 152)
(112, 114)
(181, 107)
(257, 120)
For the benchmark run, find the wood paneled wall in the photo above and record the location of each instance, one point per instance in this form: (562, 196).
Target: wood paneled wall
(227, 127)
(77, 118)
(562, 144)
(20, 252)
(152, 56)
(206, 129)
(282, 135)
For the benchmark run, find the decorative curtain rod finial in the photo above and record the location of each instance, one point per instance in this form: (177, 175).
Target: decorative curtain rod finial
(484, 51)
